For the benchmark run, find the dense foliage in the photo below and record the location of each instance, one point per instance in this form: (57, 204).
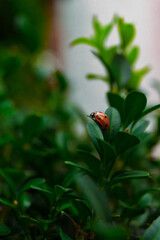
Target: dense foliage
(56, 184)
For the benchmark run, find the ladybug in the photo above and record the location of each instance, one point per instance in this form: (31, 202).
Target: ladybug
(102, 119)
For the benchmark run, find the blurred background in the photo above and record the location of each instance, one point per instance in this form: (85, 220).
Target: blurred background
(34, 41)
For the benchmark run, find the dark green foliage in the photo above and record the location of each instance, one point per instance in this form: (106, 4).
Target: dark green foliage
(115, 124)
(153, 232)
(48, 188)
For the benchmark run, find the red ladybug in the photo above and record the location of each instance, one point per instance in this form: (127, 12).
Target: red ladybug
(102, 119)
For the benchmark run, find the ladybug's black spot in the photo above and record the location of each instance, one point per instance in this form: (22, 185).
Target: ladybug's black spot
(105, 116)
(106, 125)
(99, 118)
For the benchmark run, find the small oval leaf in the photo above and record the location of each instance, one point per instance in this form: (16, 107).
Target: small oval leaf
(126, 175)
(115, 123)
(125, 141)
(134, 105)
(107, 152)
(116, 101)
(94, 132)
(91, 161)
(121, 70)
(153, 232)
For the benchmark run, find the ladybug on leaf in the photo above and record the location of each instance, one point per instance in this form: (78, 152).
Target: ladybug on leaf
(102, 119)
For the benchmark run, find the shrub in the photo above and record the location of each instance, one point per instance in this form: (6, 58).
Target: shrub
(51, 190)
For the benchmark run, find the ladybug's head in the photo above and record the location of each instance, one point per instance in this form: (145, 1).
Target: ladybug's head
(92, 114)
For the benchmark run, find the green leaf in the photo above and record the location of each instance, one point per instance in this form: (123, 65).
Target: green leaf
(128, 175)
(42, 189)
(133, 54)
(91, 161)
(137, 77)
(9, 180)
(59, 191)
(83, 40)
(32, 126)
(94, 133)
(107, 55)
(121, 70)
(144, 113)
(26, 220)
(63, 235)
(144, 201)
(97, 198)
(116, 101)
(87, 170)
(31, 183)
(125, 141)
(115, 124)
(6, 202)
(97, 26)
(153, 232)
(101, 32)
(140, 194)
(4, 230)
(126, 32)
(105, 231)
(140, 127)
(106, 30)
(25, 201)
(95, 76)
(134, 105)
(107, 152)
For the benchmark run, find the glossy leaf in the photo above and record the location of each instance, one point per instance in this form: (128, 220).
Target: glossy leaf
(4, 230)
(107, 152)
(133, 54)
(125, 141)
(128, 175)
(33, 182)
(59, 191)
(121, 70)
(94, 133)
(91, 161)
(116, 101)
(153, 231)
(145, 112)
(87, 170)
(140, 127)
(145, 200)
(25, 201)
(108, 55)
(6, 202)
(115, 123)
(143, 192)
(42, 189)
(97, 199)
(134, 105)
(127, 32)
